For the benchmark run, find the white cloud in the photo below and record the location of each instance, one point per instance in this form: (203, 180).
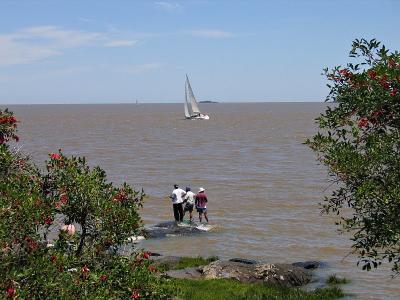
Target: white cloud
(216, 34)
(121, 43)
(37, 43)
(57, 37)
(40, 42)
(14, 53)
(169, 7)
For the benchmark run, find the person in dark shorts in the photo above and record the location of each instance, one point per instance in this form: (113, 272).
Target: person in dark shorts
(189, 200)
(177, 201)
(201, 204)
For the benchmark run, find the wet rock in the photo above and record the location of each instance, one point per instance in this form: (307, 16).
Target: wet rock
(167, 224)
(171, 228)
(309, 265)
(188, 273)
(244, 261)
(283, 274)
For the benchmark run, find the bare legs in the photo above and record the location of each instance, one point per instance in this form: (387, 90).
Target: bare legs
(205, 216)
(191, 216)
(188, 208)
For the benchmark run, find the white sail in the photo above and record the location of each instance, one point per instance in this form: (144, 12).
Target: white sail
(191, 99)
(187, 115)
(192, 110)
(188, 107)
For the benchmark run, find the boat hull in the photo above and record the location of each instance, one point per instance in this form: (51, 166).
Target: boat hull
(201, 117)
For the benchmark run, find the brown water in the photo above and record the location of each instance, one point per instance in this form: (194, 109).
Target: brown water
(264, 185)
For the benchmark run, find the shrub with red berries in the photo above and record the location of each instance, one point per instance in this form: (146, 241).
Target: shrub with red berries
(359, 142)
(61, 230)
(8, 125)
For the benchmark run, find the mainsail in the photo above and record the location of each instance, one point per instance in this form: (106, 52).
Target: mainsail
(193, 108)
(188, 107)
(187, 115)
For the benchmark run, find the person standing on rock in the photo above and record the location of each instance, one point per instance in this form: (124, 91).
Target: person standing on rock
(189, 199)
(201, 204)
(177, 200)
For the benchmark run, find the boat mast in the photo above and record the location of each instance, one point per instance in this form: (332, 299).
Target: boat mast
(188, 106)
(193, 103)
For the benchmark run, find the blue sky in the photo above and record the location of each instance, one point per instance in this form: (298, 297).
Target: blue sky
(98, 51)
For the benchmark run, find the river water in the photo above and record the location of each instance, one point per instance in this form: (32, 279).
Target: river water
(263, 184)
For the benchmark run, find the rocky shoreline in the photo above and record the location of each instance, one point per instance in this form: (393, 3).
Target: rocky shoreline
(243, 270)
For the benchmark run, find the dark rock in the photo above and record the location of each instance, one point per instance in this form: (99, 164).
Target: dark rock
(228, 269)
(166, 262)
(243, 270)
(189, 273)
(171, 228)
(244, 261)
(309, 265)
(283, 274)
(167, 224)
(154, 254)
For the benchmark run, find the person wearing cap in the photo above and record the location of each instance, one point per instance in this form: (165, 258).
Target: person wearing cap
(177, 200)
(201, 204)
(189, 199)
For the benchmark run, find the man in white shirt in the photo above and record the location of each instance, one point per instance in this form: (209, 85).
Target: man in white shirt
(189, 199)
(177, 201)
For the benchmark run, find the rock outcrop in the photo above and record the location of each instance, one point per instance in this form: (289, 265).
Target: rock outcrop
(171, 228)
(166, 262)
(243, 270)
(283, 274)
(188, 273)
(309, 265)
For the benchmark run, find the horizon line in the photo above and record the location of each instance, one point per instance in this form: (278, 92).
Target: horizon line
(141, 103)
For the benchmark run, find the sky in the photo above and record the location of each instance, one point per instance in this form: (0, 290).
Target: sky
(119, 51)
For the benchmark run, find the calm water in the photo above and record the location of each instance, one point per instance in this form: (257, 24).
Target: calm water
(263, 184)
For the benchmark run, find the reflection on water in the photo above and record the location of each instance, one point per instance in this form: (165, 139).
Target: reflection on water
(263, 184)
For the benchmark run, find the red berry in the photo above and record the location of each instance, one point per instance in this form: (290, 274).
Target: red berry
(135, 295)
(11, 292)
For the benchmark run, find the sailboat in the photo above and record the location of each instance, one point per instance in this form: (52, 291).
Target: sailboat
(192, 111)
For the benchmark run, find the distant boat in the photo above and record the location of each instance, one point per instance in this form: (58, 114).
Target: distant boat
(192, 111)
(208, 101)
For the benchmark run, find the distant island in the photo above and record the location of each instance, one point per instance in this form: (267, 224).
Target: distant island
(207, 101)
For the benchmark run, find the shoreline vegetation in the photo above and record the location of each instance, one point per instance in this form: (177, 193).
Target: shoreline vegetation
(222, 289)
(228, 288)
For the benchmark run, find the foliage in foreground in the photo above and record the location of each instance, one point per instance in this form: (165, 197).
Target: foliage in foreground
(221, 289)
(359, 142)
(60, 230)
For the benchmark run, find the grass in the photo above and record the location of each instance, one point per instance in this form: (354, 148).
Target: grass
(334, 280)
(187, 262)
(221, 289)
